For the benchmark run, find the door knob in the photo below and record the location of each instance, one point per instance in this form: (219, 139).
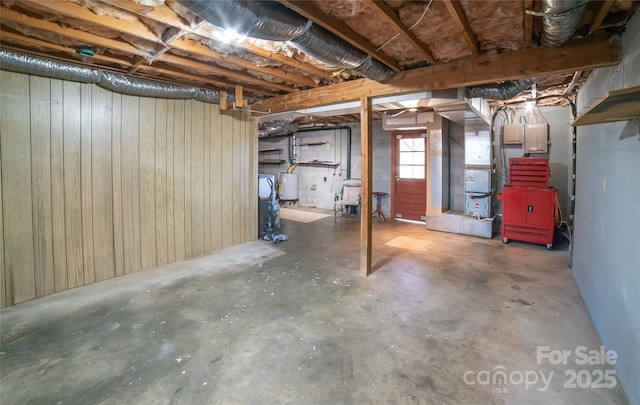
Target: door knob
(397, 178)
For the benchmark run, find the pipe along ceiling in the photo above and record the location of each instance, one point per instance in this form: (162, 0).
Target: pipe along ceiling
(272, 21)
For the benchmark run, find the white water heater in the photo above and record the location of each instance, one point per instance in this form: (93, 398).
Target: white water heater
(288, 186)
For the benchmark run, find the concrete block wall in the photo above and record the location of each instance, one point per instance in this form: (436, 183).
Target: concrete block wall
(560, 161)
(606, 258)
(382, 179)
(317, 185)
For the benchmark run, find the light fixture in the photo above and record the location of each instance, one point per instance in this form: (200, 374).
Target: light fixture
(228, 36)
(528, 106)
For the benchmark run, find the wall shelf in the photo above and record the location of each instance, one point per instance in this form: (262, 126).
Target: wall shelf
(314, 143)
(617, 105)
(319, 163)
(271, 160)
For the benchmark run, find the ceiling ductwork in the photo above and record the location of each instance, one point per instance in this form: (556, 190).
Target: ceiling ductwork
(111, 81)
(500, 91)
(276, 128)
(272, 21)
(560, 20)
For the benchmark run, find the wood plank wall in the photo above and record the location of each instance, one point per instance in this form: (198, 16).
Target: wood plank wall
(96, 184)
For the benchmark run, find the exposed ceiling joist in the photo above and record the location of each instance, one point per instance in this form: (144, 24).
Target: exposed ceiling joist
(204, 80)
(49, 48)
(390, 15)
(312, 12)
(14, 16)
(165, 15)
(35, 43)
(10, 15)
(139, 30)
(602, 13)
(583, 54)
(460, 19)
(73, 10)
(528, 23)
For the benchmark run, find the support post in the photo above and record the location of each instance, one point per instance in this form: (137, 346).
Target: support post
(366, 148)
(223, 101)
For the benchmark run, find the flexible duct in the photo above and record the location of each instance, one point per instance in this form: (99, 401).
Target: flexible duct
(118, 83)
(276, 128)
(561, 19)
(500, 91)
(272, 21)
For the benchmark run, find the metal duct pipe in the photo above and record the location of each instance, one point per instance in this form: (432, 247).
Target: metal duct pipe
(19, 63)
(272, 21)
(118, 83)
(561, 19)
(502, 91)
(276, 128)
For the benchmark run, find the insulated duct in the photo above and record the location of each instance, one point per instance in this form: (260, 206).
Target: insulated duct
(560, 20)
(501, 91)
(272, 21)
(276, 128)
(118, 83)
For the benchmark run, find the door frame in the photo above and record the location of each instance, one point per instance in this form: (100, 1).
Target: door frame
(395, 167)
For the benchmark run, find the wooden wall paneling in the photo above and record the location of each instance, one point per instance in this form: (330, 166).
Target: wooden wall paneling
(3, 293)
(216, 178)
(206, 171)
(171, 228)
(188, 200)
(102, 181)
(130, 184)
(72, 184)
(179, 179)
(226, 174)
(244, 175)
(236, 211)
(86, 184)
(252, 228)
(15, 144)
(147, 182)
(57, 187)
(40, 98)
(116, 169)
(161, 181)
(197, 177)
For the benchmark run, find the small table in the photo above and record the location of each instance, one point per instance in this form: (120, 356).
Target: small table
(378, 211)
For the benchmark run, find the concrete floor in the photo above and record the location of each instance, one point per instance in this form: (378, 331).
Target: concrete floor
(296, 323)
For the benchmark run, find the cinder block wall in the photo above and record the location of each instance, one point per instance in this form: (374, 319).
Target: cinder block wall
(317, 185)
(606, 258)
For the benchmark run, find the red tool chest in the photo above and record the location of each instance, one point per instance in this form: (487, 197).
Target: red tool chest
(529, 172)
(528, 214)
(528, 202)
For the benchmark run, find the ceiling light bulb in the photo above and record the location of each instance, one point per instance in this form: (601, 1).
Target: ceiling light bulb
(528, 106)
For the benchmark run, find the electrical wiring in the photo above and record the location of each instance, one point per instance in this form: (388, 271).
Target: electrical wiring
(408, 29)
(560, 222)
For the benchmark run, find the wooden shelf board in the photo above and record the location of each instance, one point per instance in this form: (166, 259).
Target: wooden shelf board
(271, 161)
(270, 150)
(617, 105)
(314, 143)
(319, 163)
